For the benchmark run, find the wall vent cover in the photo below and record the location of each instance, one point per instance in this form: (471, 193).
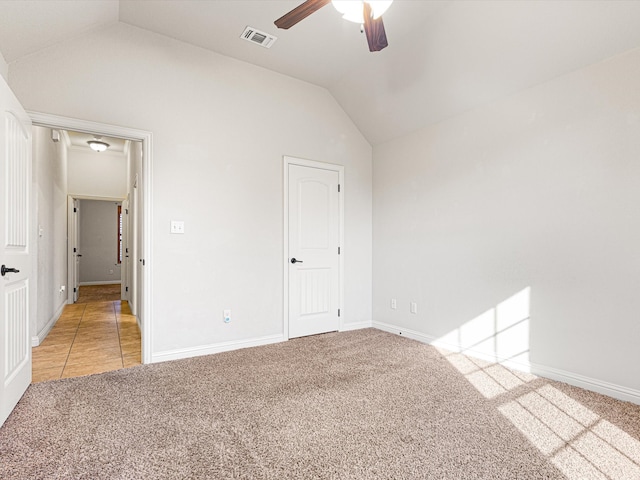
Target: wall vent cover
(254, 35)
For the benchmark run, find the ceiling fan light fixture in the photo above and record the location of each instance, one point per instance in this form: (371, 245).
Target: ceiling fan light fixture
(352, 10)
(98, 145)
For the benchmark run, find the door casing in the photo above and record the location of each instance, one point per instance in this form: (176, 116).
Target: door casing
(285, 257)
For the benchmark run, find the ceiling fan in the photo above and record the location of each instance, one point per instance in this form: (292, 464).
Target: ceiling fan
(367, 13)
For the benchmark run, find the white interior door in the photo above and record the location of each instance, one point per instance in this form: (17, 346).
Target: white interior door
(139, 240)
(133, 242)
(73, 235)
(15, 251)
(77, 250)
(124, 225)
(314, 239)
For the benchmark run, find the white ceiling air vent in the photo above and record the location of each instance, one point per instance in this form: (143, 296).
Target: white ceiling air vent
(252, 35)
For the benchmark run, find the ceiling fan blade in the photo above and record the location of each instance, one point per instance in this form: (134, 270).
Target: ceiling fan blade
(374, 29)
(299, 13)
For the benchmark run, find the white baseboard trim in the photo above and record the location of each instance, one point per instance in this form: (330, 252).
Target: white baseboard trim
(612, 390)
(42, 334)
(405, 332)
(355, 326)
(215, 348)
(105, 282)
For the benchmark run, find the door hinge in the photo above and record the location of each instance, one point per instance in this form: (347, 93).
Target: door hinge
(74, 250)
(338, 188)
(338, 312)
(75, 209)
(74, 290)
(338, 250)
(126, 289)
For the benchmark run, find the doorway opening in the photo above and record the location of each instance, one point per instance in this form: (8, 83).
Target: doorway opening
(115, 268)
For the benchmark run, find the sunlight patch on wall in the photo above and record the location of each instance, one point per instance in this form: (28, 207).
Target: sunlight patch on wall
(500, 334)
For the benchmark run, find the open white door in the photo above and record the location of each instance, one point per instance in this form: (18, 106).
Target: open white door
(15, 251)
(314, 241)
(124, 245)
(76, 250)
(134, 250)
(139, 241)
(73, 235)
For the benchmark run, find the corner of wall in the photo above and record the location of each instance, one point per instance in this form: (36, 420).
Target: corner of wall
(4, 68)
(37, 339)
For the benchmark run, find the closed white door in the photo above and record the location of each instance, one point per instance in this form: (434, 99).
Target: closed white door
(314, 236)
(15, 251)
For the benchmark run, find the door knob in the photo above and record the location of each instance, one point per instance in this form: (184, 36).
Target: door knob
(293, 260)
(4, 270)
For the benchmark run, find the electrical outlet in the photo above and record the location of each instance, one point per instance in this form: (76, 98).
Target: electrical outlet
(394, 304)
(227, 316)
(177, 226)
(414, 307)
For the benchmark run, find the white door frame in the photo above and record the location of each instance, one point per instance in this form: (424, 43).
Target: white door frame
(285, 257)
(70, 198)
(94, 128)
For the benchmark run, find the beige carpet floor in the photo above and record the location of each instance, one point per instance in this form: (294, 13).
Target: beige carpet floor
(353, 405)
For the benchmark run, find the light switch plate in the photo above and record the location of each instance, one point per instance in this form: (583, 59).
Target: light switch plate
(177, 226)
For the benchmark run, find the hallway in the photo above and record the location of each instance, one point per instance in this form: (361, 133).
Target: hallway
(92, 337)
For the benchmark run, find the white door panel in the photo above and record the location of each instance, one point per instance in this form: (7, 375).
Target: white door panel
(73, 249)
(314, 236)
(76, 249)
(15, 251)
(124, 293)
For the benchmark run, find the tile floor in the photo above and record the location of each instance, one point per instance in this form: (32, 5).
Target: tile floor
(88, 338)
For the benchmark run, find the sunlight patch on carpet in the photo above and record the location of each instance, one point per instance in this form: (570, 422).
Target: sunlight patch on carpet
(578, 442)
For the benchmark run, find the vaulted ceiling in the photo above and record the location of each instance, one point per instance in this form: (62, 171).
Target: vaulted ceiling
(444, 57)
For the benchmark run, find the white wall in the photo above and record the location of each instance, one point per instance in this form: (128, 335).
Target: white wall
(98, 242)
(50, 185)
(97, 174)
(4, 68)
(538, 195)
(220, 128)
